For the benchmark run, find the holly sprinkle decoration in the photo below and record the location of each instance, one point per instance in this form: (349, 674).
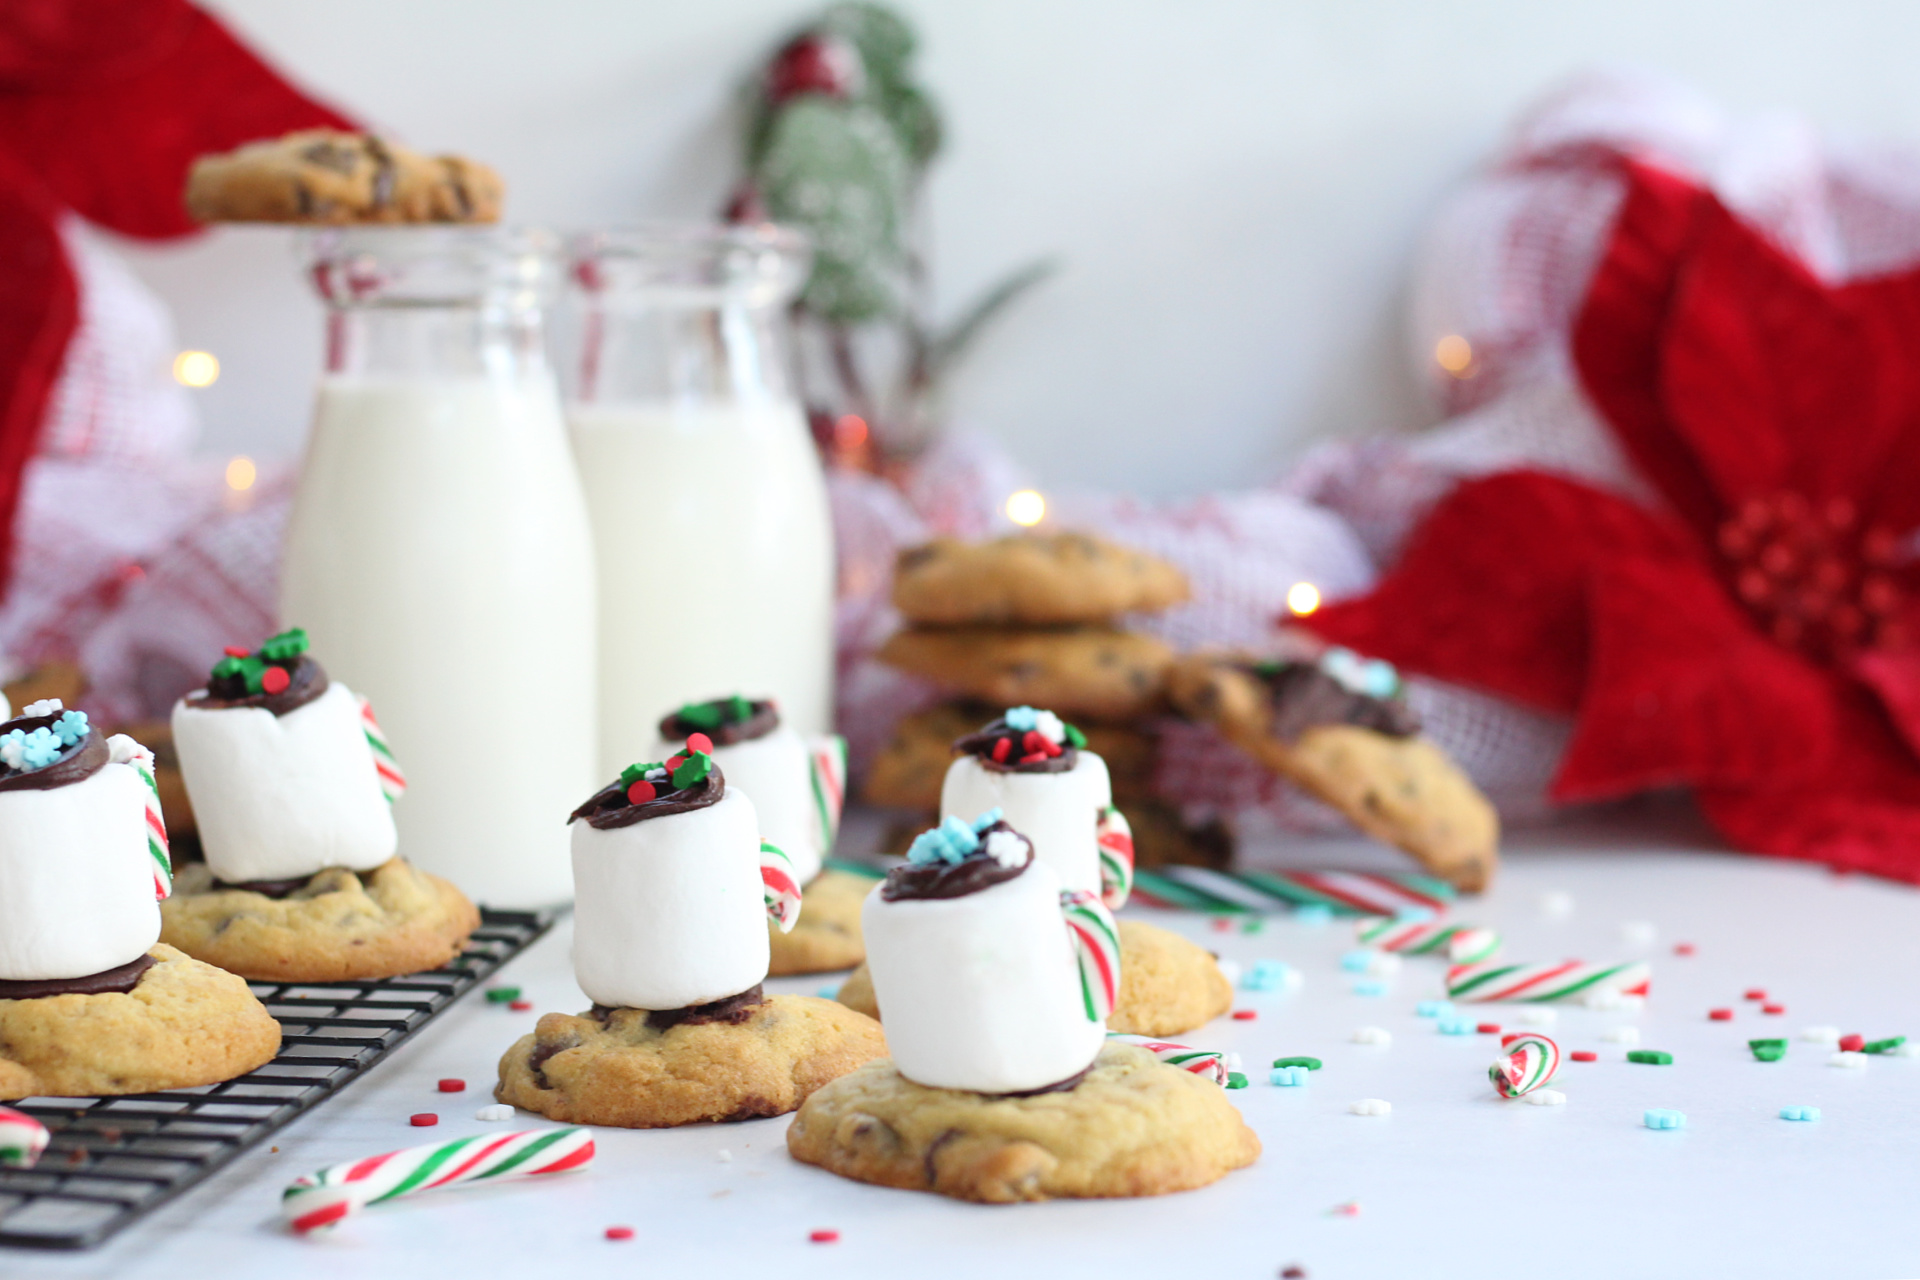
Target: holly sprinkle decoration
(712, 715)
(644, 782)
(269, 671)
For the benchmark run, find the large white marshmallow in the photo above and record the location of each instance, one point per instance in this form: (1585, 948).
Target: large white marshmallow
(76, 880)
(774, 772)
(280, 797)
(1058, 812)
(981, 992)
(668, 912)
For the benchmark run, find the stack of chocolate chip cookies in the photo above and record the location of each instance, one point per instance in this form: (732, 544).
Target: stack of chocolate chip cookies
(1034, 619)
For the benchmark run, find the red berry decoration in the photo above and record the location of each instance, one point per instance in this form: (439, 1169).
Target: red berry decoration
(1002, 748)
(275, 679)
(699, 742)
(813, 64)
(675, 763)
(236, 651)
(641, 791)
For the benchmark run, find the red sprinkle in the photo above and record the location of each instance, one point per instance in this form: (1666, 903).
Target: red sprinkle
(1755, 993)
(275, 679)
(1584, 1055)
(1488, 1028)
(1002, 748)
(699, 742)
(1720, 1015)
(237, 651)
(675, 763)
(1221, 924)
(619, 1233)
(1683, 948)
(1853, 1043)
(424, 1120)
(641, 791)
(1051, 747)
(519, 1006)
(1248, 1015)
(450, 1085)
(1033, 758)
(1773, 1008)
(1032, 741)
(823, 1235)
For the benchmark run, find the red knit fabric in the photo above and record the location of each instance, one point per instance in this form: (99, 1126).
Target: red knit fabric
(1755, 635)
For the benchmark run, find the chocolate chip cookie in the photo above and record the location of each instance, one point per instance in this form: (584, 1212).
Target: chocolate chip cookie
(1031, 579)
(326, 176)
(827, 935)
(1078, 671)
(1133, 1126)
(620, 1067)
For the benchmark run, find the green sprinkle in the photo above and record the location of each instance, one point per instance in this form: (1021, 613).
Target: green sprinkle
(1768, 1050)
(1883, 1046)
(1311, 1064)
(286, 646)
(501, 995)
(738, 708)
(1254, 925)
(634, 772)
(692, 771)
(703, 715)
(1652, 1057)
(1235, 1080)
(1075, 738)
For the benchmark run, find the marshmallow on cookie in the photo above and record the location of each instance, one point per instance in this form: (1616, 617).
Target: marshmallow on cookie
(83, 853)
(992, 977)
(795, 784)
(673, 886)
(287, 770)
(1035, 768)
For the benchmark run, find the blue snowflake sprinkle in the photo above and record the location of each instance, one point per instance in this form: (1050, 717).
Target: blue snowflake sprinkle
(1369, 987)
(1661, 1118)
(1449, 1025)
(71, 727)
(1312, 913)
(1799, 1113)
(1288, 1076)
(951, 841)
(1022, 718)
(1433, 1009)
(1357, 961)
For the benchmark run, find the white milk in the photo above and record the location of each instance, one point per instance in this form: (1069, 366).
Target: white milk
(716, 563)
(440, 558)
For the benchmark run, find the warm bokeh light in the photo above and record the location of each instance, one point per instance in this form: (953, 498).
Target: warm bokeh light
(196, 369)
(849, 431)
(1454, 354)
(1026, 507)
(241, 473)
(1302, 599)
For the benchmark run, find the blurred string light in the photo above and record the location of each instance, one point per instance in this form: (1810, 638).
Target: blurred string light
(241, 473)
(849, 431)
(1026, 507)
(196, 369)
(1302, 599)
(1454, 354)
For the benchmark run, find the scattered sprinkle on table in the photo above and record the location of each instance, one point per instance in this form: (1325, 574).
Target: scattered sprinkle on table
(1556, 902)
(494, 1111)
(726, 1156)
(451, 1085)
(1621, 1035)
(1775, 1009)
(1651, 1057)
(1351, 1209)
(619, 1233)
(1369, 987)
(1371, 1107)
(1293, 1273)
(1637, 933)
(519, 1006)
(1756, 993)
(1799, 1113)
(1221, 924)
(1486, 1028)
(423, 1119)
(1768, 1050)
(1584, 1055)
(1254, 924)
(1245, 1015)
(823, 1235)
(1313, 913)
(1661, 1118)
(1820, 1035)
(1449, 1025)
(1269, 975)
(829, 991)
(1536, 1016)
(1683, 948)
(1547, 1098)
(1720, 1015)
(1883, 1046)
(500, 995)
(1311, 1064)
(1287, 1077)
(1847, 1058)
(1236, 1080)
(1433, 1009)
(1853, 1043)
(1357, 961)
(1229, 969)
(1373, 1035)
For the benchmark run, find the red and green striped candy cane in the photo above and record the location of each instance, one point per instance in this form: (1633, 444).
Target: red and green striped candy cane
(393, 782)
(1542, 982)
(124, 750)
(778, 886)
(1208, 1064)
(1530, 1061)
(827, 765)
(1460, 943)
(1096, 950)
(1115, 838)
(324, 1198)
(22, 1139)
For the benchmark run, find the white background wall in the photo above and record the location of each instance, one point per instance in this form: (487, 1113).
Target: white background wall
(1236, 187)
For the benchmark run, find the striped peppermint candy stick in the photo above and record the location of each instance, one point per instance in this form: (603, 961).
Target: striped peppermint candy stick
(322, 1199)
(124, 750)
(22, 1139)
(778, 886)
(1208, 1064)
(1530, 1061)
(393, 782)
(1115, 838)
(1096, 949)
(1540, 982)
(827, 761)
(1460, 943)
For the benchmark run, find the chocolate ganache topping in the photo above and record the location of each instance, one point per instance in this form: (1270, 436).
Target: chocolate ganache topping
(959, 858)
(725, 721)
(115, 981)
(1024, 740)
(53, 749)
(279, 677)
(687, 782)
(1307, 694)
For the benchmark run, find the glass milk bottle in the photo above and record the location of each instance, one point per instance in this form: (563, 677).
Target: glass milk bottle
(709, 508)
(439, 553)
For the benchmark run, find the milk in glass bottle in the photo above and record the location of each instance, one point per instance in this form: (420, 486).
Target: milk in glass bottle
(708, 504)
(439, 552)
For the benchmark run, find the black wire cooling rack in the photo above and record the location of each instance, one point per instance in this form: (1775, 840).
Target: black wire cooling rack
(113, 1160)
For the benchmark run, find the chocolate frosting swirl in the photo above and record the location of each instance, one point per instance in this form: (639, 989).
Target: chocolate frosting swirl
(308, 681)
(1305, 697)
(762, 718)
(979, 744)
(82, 760)
(609, 807)
(115, 981)
(978, 870)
